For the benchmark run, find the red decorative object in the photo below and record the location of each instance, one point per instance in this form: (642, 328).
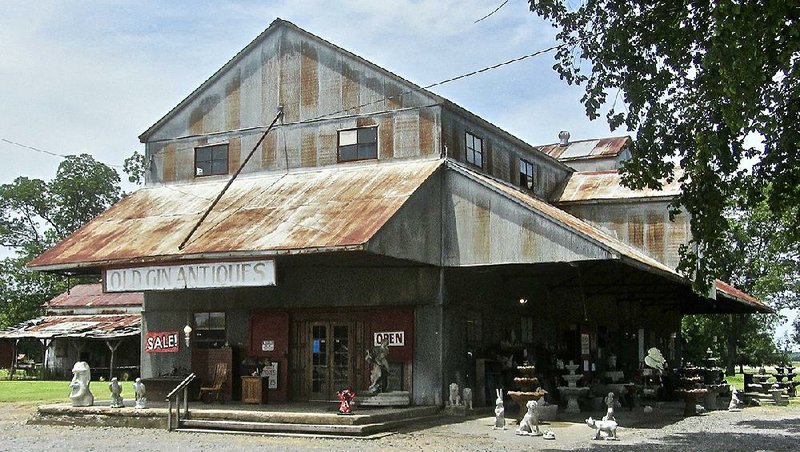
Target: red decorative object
(346, 397)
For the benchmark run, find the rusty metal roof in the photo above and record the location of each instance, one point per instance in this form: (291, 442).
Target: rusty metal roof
(322, 209)
(586, 149)
(607, 185)
(85, 326)
(735, 294)
(92, 295)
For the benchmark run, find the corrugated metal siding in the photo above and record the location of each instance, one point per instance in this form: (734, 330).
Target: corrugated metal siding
(607, 185)
(87, 326)
(301, 210)
(583, 149)
(92, 295)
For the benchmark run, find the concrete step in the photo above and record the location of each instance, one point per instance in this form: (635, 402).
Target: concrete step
(360, 417)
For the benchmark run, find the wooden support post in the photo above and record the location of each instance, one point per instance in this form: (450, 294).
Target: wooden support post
(112, 345)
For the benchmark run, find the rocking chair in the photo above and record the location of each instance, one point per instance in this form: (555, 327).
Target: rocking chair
(220, 377)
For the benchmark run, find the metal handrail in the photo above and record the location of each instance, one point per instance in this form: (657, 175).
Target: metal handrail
(176, 394)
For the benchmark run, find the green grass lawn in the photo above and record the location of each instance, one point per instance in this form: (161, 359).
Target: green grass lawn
(34, 391)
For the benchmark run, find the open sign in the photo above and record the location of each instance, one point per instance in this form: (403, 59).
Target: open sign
(395, 338)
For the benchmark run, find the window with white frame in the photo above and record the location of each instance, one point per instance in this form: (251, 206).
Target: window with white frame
(474, 150)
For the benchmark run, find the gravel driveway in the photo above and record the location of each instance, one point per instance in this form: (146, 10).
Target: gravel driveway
(763, 428)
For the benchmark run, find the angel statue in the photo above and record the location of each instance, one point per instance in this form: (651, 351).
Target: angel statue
(379, 375)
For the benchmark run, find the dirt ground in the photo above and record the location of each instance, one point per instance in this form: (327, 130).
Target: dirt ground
(757, 428)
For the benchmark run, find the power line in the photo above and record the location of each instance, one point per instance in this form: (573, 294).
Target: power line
(25, 146)
(495, 10)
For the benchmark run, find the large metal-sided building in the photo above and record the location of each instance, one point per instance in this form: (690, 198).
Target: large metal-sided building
(377, 209)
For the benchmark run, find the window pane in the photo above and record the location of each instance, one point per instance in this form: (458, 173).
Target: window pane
(219, 167)
(348, 137)
(220, 152)
(367, 151)
(478, 145)
(217, 321)
(478, 159)
(202, 154)
(347, 153)
(201, 320)
(203, 169)
(470, 141)
(368, 135)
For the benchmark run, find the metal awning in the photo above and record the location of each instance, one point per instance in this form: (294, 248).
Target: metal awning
(112, 326)
(303, 211)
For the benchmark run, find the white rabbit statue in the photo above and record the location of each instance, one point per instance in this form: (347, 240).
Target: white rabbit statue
(499, 412)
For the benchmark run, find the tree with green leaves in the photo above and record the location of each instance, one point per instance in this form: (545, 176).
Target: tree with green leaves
(35, 215)
(713, 86)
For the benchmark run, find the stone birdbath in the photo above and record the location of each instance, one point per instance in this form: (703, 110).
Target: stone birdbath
(572, 392)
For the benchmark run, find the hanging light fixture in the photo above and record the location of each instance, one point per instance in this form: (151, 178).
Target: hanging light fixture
(187, 334)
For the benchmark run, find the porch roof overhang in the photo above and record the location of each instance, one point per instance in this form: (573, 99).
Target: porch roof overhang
(110, 326)
(302, 211)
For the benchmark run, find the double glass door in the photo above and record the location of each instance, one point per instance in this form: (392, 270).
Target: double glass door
(331, 360)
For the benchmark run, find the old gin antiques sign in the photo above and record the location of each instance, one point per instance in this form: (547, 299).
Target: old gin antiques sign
(191, 276)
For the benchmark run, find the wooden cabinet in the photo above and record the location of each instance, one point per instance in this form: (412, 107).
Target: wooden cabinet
(254, 390)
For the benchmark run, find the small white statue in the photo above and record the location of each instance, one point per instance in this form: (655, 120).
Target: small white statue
(82, 376)
(467, 398)
(455, 399)
(736, 402)
(608, 429)
(499, 412)
(611, 404)
(529, 426)
(116, 393)
(141, 393)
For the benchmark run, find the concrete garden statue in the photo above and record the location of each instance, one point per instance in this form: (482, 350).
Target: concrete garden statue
(605, 429)
(141, 393)
(499, 412)
(455, 399)
(611, 404)
(467, 398)
(80, 394)
(529, 426)
(379, 375)
(116, 393)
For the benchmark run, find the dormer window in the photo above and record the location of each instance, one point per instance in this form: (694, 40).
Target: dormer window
(358, 144)
(527, 174)
(474, 148)
(211, 160)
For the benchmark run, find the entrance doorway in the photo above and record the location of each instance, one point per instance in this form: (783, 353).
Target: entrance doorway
(331, 359)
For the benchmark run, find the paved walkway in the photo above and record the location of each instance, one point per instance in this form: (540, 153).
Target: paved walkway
(764, 428)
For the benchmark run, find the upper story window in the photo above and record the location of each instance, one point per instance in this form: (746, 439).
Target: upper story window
(211, 160)
(527, 174)
(474, 147)
(209, 329)
(358, 144)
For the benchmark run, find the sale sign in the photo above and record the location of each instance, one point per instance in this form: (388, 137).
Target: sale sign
(161, 342)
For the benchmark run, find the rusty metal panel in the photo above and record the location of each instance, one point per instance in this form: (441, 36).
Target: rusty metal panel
(351, 80)
(308, 148)
(92, 295)
(586, 149)
(309, 81)
(655, 235)
(269, 150)
(233, 103)
(341, 206)
(406, 134)
(386, 137)
(105, 326)
(169, 163)
(234, 153)
(290, 80)
(600, 185)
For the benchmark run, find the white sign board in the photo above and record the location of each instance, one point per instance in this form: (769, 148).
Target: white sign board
(267, 346)
(270, 372)
(191, 276)
(395, 338)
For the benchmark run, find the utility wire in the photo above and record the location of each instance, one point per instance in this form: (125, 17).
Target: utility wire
(25, 146)
(495, 10)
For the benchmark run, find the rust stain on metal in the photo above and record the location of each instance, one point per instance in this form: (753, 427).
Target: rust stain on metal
(366, 121)
(332, 207)
(655, 235)
(234, 153)
(196, 120)
(88, 326)
(607, 185)
(386, 137)
(169, 163)
(426, 132)
(636, 231)
(308, 148)
(742, 297)
(586, 149)
(309, 79)
(92, 295)
(268, 150)
(233, 103)
(350, 88)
